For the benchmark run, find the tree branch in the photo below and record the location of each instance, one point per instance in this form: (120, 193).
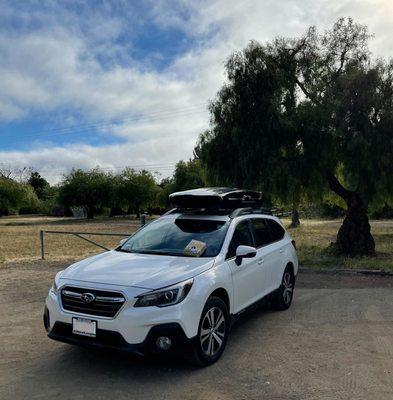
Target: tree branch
(306, 92)
(337, 187)
(300, 46)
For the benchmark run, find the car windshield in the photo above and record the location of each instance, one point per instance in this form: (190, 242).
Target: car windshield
(176, 237)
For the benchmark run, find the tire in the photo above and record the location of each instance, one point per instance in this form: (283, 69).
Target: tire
(207, 348)
(282, 299)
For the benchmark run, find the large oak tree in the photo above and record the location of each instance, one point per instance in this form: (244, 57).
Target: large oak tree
(305, 115)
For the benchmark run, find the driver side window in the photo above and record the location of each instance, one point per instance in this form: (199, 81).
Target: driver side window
(241, 236)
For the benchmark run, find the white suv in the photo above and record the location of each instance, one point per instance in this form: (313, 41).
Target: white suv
(177, 282)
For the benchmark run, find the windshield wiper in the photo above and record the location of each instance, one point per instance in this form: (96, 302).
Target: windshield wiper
(160, 253)
(124, 250)
(153, 252)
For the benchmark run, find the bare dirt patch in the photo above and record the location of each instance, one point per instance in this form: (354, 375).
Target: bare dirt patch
(336, 342)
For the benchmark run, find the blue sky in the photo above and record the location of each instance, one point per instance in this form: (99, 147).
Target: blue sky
(116, 83)
(134, 38)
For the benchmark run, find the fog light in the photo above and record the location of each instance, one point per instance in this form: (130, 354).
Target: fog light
(163, 343)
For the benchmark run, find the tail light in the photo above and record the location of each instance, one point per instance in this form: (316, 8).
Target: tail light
(293, 244)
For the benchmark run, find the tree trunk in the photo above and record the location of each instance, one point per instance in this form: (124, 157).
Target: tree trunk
(295, 222)
(90, 212)
(354, 236)
(116, 210)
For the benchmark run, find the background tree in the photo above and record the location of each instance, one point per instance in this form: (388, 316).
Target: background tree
(306, 112)
(15, 195)
(115, 201)
(38, 183)
(137, 190)
(187, 175)
(89, 189)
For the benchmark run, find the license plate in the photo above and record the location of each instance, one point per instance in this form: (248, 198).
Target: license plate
(85, 327)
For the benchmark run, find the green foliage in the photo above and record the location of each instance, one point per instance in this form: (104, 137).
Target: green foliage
(136, 190)
(165, 189)
(296, 111)
(187, 175)
(91, 189)
(39, 184)
(15, 195)
(130, 191)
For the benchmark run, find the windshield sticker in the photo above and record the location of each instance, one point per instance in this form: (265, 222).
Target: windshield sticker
(195, 248)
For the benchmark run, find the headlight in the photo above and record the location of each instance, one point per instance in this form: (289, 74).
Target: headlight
(165, 297)
(55, 284)
(54, 287)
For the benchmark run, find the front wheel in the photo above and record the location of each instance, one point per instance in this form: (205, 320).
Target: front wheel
(212, 333)
(284, 295)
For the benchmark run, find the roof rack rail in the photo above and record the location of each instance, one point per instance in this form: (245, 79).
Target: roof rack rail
(245, 211)
(217, 211)
(199, 210)
(171, 211)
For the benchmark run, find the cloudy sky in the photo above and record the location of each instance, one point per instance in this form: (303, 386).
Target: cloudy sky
(116, 83)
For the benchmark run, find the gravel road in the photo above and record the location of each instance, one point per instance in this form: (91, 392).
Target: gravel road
(336, 342)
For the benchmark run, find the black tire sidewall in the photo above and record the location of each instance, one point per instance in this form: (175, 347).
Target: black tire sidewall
(204, 359)
(279, 300)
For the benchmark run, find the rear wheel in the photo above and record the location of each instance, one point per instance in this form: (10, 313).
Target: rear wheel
(212, 333)
(284, 295)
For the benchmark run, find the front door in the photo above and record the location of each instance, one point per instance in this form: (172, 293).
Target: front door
(247, 276)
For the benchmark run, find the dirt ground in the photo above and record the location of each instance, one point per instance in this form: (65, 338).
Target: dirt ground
(336, 342)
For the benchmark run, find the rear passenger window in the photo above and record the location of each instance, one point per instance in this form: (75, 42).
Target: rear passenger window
(277, 232)
(241, 236)
(261, 232)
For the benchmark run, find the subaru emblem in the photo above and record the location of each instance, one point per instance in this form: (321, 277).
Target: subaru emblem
(88, 297)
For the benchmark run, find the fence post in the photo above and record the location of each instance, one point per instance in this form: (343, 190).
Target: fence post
(42, 239)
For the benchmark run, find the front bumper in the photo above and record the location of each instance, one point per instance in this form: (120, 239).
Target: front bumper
(112, 340)
(133, 329)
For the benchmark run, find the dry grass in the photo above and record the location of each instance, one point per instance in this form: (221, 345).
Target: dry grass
(314, 236)
(20, 241)
(20, 237)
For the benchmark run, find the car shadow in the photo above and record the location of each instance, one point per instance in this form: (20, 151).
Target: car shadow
(86, 373)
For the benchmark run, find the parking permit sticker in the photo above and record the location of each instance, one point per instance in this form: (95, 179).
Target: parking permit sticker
(195, 248)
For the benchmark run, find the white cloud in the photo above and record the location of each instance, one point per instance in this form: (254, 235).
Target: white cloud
(75, 62)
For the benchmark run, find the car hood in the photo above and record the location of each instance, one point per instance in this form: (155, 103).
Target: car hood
(138, 270)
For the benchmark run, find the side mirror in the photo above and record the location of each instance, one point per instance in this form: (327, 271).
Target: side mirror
(244, 252)
(122, 241)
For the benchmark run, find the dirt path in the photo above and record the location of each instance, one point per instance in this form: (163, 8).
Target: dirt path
(336, 342)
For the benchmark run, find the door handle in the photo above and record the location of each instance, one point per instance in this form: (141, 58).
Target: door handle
(261, 261)
(281, 251)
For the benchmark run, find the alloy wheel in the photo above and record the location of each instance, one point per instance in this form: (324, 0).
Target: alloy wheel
(212, 331)
(288, 287)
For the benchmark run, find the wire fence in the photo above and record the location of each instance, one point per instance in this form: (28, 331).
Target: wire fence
(80, 235)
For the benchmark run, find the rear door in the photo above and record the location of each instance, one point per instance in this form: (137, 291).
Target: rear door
(246, 277)
(265, 254)
(277, 251)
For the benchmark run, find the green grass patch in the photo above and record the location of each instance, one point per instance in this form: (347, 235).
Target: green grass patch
(313, 238)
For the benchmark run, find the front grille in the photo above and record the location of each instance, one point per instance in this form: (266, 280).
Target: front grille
(91, 301)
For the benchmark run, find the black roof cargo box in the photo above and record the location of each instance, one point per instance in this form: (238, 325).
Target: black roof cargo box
(216, 197)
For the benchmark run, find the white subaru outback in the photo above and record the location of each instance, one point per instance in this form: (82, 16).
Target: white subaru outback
(177, 282)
